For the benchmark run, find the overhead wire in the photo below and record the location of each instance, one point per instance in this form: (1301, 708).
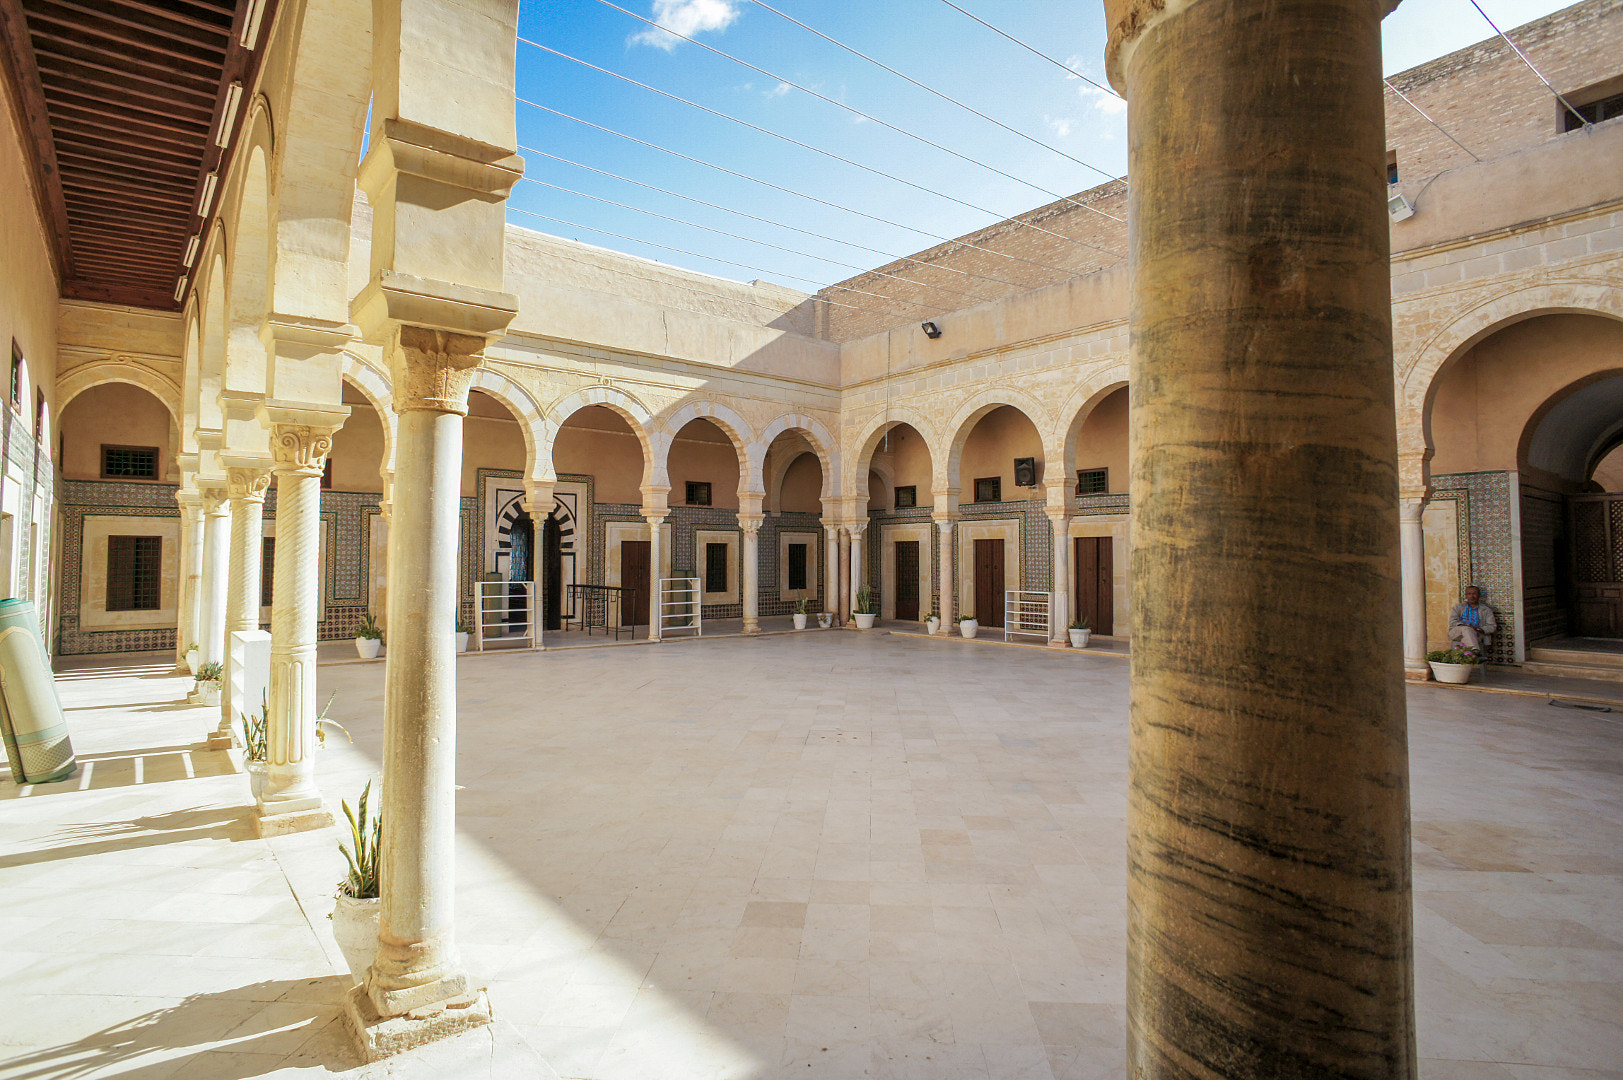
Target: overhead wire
(791, 191)
(825, 153)
(869, 116)
(1429, 120)
(1518, 49)
(1034, 51)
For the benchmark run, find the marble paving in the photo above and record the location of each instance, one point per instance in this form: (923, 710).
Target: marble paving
(829, 855)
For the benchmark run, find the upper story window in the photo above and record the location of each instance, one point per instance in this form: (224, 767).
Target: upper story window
(129, 462)
(1391, 166)
(1595, 104)
(1092, 481)
(989, 489)
(39, 416)
(16, 375)
(698, 493)
(907, 496)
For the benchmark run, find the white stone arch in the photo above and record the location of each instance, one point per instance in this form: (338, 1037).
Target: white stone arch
(251, 264)
(978, 405)
(1080, 406)
(212, 340)
(531, 421)
(1418, 385)
(735, 427)
(374, 386)
(822, 444)
(190, 371)
(859, 461)
(636, 415)
(102, 372)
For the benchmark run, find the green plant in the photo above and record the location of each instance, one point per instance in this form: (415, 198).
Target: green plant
(322, 724)
(369, 629)
(931, 614)
(255, 730)
(1457, 655)
(1081, 623)
(192, 647)
(966, 618)
(802, 605)
(464, 627)
(366, 834)
(865, 603)
(213, 672)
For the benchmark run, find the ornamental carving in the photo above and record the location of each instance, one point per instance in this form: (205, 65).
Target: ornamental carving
(300, 449)
(250, 484)
(434, 369)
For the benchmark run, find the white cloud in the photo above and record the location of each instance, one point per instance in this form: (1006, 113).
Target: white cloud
(1059, 125)
(1109, 104)
(686, 17)
(777, 91)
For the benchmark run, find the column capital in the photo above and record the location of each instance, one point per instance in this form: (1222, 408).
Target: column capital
(856, 528)
(1411, 508)
(189, 501)
(247, 484)
(215, 497)
(750, 523)
(946, 502)
(656, 500)
(538, 497)
(433, 370)
(300, 449)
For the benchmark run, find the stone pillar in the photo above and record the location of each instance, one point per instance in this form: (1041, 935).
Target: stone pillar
(856, 529)
(191, 574)
(1413, 545)
(300, 441)
(216, 561)
(945, 515)
(751, 524)
(656, 529)
(1269, 904)
(831, 570)
(247, 488)
(1061, 525)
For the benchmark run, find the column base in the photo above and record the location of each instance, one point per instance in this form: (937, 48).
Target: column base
(274, 821)
(219, 741)
(1420, 674)
(1060, 643)
(752, 628)
(378, 1037)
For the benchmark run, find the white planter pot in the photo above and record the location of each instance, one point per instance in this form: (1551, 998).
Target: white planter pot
(461, 641)
(355, 926)
(968, 627)
(209, 693)
(864, 620)
(1451, 673)
(1079, 638)
(931, 626)
(800, 620)
(825, 619)
(256, 778)
(368, 647)
(193, 661)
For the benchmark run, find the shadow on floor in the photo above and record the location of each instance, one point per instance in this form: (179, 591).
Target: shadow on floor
(155, 765)
(213, 823)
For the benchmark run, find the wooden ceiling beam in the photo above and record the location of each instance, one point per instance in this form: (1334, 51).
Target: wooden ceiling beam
(18, 68)
(47, 27)
(131, 296)
(119, 106)
(150, 28)
(122, 92)
(140, 159)
(52, 60)
(169, 11)
(88, 170)
(103, 189)
(78, 126)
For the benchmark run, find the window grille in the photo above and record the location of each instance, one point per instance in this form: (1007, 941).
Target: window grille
(1092, 481)
(907, 496)
(715, 568)
(129, 462)
(698, 493)
(134, 573)
(16, 375)
(1595, 112)
(797, 566)
(989, 489)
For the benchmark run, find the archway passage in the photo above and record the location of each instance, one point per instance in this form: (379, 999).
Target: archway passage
(792, 537)
(495, 460)
(901, 554)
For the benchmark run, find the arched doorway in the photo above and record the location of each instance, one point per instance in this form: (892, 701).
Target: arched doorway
(599, 462)
(901, 549)
(1000, 473)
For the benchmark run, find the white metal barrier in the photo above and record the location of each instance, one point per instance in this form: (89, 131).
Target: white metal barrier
(505, 615)
(680, 607)
(1027, 612)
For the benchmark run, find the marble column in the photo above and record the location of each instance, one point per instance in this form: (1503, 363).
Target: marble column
(299, 443)
(1061, 525)
(247, 487)
(831, 569)
(949, 599)
(856, 529)
(1412, 534)
(656, 529)
(751, 525)
(211, 602)
(191, 574)
(1269, 896)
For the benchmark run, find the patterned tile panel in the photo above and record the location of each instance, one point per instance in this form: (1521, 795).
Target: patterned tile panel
(1485, 555)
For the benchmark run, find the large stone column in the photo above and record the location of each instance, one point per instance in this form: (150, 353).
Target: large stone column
(831, 569)
(247, 487)
(300, 441)
(1411, 530)
(1269, 928)
(945, 515)
(191, 573)
(751, 525)
(212, 589)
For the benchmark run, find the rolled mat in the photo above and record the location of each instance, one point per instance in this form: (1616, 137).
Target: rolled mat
(31, 721)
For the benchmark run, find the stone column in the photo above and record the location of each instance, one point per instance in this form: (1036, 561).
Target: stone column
(656, 529)
(1061, 525)
(1269, 904)
(191, 573)
(216, 561)
(1412, 536)
(300, 441)
(831, 569)
(944, 521)
(856, 529)
(751, 524)
(247, 487)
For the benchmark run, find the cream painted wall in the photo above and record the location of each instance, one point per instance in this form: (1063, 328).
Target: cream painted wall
(114, 414)
(1002, 435)
(802, 491)
(491, 439)
(905, 459)
(28, 288)
(357, 448)
(1486, 398)
(702, 451)
(597, 442)
(1102, 442)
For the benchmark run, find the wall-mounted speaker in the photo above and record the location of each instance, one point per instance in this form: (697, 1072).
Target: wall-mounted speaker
(1025, 472)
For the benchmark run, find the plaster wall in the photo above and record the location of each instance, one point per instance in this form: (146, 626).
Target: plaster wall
(702, 452)
(114, 414)
(802, 490)
(1102, 442)
(28, 286)
(596, 442)
(903, 459)
(358, 447)
(1001, 436)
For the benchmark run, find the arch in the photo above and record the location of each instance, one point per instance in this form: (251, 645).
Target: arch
(375, 388)
(632, 411)
(211, 347)
(248, 270)
(735, 427)
(855, 485)
(531, 421)
(978, 405)
(822, 443)
(102, 372)
(1080, 406)
(191, 361)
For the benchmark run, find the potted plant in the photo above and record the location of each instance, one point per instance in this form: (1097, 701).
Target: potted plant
(802, 609)
(865, 611)
(1080, 632)
(932, 622)
(1454, 665)
(192, 658)
(967, 625)
(825, 619)
(368, 638)
(462, 632)
(254, 747)
(209, 678)
(355, 917)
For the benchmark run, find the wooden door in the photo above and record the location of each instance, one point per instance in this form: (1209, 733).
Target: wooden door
(1095, 579)
(989, 582)
(634, 576)
(552, 573)
(907, 580)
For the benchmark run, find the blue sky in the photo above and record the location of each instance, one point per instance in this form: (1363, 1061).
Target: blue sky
(924, 39)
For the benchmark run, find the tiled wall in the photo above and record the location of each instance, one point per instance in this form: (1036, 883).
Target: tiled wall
(1485, 555)
(102, 499)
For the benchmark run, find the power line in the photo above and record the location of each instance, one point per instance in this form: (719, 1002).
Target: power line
(1429, 120)
(868, 116)
(931, 90)
(752, 240)
(1067, 68)
(792, 191)
(825, 153)
(766, 221)
(1586, 121)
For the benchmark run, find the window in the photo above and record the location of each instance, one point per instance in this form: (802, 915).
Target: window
(1391, 166)
(267, 570)
(797, 566)
(134, 573)
(1595, 111)
(1092, 481)
(715, 567)
(698, 493)
(129, 462)
(907, 496)
(39, 416)
(989, 489)
(16, 375)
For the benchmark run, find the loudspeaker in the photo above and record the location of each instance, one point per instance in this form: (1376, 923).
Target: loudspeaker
(1025, 472)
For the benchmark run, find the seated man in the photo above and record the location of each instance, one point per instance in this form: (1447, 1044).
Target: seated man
(1472, 623)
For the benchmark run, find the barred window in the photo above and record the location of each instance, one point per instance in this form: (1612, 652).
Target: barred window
(267, 570)
(907, 496)
(129, 462)
(698, 493)
(1092, 481)
(989, 489)
(715, 568)
(797, 566)
(134, 573)
(16, 375)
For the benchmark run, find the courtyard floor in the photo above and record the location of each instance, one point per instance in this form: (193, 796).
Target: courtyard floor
(812, 855)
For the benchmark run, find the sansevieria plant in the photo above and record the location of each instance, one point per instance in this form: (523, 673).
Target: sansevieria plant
(366, 834)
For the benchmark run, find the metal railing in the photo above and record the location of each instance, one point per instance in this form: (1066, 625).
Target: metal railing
(1028, 613)
(599, 607)
(505, 615)
(680, 606)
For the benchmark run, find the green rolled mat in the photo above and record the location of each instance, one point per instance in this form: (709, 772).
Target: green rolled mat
(31, 721)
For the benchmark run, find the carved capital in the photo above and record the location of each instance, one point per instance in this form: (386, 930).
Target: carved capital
(434, 369)
(750, 523)
(300, 449)
(248, 484)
